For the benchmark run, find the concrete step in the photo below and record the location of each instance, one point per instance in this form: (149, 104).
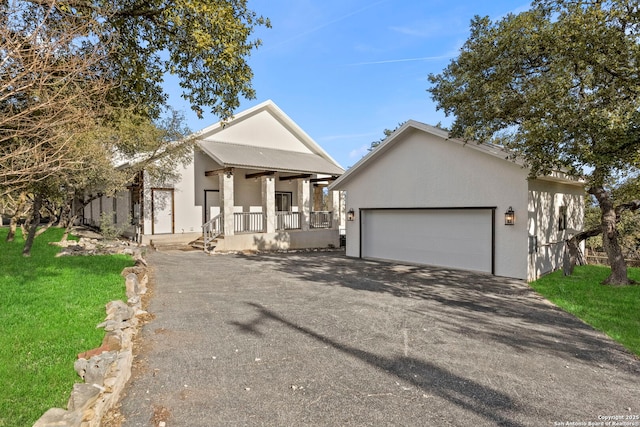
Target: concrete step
(172, 241)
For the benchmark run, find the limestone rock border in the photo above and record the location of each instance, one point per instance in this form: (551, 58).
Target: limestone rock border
(106, 369)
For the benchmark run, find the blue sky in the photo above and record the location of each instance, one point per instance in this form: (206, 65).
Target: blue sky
(345, 70)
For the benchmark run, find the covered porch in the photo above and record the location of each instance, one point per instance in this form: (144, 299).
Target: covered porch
(269, 209)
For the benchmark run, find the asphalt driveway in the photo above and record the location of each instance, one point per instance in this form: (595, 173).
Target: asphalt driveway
(320, 339)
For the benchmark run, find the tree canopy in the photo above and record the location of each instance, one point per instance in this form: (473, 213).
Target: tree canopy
(82, 86)
(559, 86)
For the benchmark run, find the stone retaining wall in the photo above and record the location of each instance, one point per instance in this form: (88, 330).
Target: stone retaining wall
(106, 369)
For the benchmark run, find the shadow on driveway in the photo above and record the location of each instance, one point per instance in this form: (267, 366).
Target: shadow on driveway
(315, 338)
(486, 307)
(465, 394)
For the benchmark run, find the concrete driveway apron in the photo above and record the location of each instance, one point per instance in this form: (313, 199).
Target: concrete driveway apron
(316, 338)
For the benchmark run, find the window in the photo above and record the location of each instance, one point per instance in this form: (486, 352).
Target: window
(562, 218)
(283, 201)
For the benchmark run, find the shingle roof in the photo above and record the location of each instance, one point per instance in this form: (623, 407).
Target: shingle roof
(243, 156)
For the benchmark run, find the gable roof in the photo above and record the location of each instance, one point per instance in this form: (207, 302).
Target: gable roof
(395, 137)
(247, 157)
(264, 137)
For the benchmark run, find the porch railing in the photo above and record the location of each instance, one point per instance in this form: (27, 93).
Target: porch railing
(212, 229)
(320, 219)
(248, 222)
(287, 220)
(254, 222)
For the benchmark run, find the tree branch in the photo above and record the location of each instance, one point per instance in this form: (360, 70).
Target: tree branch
(633, 205)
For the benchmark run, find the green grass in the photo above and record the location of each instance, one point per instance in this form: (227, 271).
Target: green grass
(612, 310)
(49, 309)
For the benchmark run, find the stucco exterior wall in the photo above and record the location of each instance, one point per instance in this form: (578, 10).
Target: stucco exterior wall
(123, 207)
(201, 164)
(546, 247)
(280, 240)
(118, 207)
(187, 215)
(272, 133)
(424, 170)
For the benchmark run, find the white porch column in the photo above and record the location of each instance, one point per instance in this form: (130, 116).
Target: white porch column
(227, 201)
(333, 204)
(269, 202)
(304, 202)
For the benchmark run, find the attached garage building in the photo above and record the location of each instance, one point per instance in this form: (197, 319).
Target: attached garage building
(423, 198)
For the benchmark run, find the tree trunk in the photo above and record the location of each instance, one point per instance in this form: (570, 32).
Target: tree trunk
(13, 226)
(67, 230)
(573, 248)
(66, 213)
(18, 212)
(610, 238)
(53, 218)
(33, 226)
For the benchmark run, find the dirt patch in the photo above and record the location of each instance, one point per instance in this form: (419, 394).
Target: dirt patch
(160, 414)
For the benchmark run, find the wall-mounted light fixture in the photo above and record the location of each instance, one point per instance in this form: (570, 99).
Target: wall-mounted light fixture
(351, 215)
(509, 217)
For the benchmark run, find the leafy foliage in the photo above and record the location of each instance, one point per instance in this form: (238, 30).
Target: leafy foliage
(558, 85)
(205, 44)
(387, 133)
(82, 89)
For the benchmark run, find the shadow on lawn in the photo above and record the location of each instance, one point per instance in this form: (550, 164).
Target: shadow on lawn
(482, 306)
(43, 262)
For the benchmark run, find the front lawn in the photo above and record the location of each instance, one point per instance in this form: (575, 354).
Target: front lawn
(612, 310)
(49, 309)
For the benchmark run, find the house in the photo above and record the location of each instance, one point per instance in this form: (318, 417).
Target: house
(256, 182)
(422, 197)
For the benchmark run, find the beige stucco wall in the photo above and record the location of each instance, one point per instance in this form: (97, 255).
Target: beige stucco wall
(187, 214)
(272, 133)
(545, 200)
(424, 170)
(105, 205)
(280, 240)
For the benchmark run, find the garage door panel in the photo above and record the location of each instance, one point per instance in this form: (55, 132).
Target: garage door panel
(450, 238)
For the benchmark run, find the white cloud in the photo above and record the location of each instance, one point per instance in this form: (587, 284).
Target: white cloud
(359, 152)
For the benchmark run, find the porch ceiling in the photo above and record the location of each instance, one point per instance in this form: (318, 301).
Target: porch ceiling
(247, 157)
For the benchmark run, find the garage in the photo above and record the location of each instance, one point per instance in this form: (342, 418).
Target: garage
(423, 197)
(461, 238)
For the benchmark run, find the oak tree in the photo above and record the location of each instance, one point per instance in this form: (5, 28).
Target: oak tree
(81, 86)
(559, 86)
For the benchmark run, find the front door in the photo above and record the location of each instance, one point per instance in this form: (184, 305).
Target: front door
(162, 211)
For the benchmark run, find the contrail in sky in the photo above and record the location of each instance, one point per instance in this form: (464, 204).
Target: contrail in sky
(326, 24)
(391, 61)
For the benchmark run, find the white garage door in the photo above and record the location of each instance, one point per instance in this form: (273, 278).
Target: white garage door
(455, 238)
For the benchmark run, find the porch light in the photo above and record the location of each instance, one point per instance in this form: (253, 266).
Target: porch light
(509, 217)
(351, 215)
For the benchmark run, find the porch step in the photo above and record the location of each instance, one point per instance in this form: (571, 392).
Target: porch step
(172, 242)
(198, 243)
(171, 246)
